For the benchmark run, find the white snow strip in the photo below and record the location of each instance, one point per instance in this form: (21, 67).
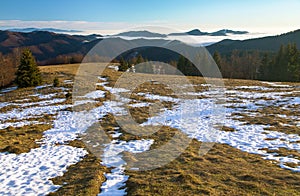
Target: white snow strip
(38, 103)
(4, 104)
(80, 102)
(101, 83)
(261, 88)
(159, 97)
(112, 158)
(43, 86)
(42, 103)
(6, 90)
(102, 78)
(115, 90)
(68, 81)
(32, 112)
(95, 94)
(18, 124)
(116, 134)
(47, 96)
(137, 105)
(276, 84)
(115, 67)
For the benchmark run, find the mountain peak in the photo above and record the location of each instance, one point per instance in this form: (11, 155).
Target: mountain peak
(142, 33)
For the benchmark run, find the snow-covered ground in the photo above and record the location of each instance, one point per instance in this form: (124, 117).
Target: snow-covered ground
(197, 119)
(29, 173)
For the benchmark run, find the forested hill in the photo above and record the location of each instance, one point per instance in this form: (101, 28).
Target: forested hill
(47, 46)
(265, 44)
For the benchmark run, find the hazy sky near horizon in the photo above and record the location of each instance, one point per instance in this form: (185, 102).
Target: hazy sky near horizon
(116, 15)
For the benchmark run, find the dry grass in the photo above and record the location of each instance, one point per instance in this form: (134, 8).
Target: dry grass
(223, 171)
(20, 140)
(60, 71)
(269, 116)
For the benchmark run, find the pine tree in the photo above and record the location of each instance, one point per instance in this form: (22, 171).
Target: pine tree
(280, 66)
(28, 73)
(139, 60)
(217, 58)
(264, 68)
(181, 64)
(55, 82)
(123, 65)
(293, 63)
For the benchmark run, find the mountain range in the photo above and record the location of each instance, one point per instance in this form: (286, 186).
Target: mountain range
(31, 29)
(197, 32)
(46, 45)
(194, 32)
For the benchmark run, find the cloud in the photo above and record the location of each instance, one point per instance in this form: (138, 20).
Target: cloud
(106, 28)
(85, 26)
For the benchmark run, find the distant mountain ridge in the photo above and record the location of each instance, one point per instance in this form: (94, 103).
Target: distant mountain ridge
(194, 32)
(197, 32)
(268, 44)
(48, 45)
(141, 34)
(31, 29)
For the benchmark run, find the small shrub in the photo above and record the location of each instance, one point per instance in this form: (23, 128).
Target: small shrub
(55, 82)
(69, 95)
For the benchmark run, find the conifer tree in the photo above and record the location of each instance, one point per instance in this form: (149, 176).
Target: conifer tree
(28, 73)
(217, 58)
(123, 65)
(264, 68)
(139, 60)
(181, 64)
(293, 63)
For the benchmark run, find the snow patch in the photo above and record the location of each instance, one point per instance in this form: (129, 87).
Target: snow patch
(112, 158)
(136, 105)
(30, 173)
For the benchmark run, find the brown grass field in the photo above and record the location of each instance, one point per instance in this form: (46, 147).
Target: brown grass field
(224, 170)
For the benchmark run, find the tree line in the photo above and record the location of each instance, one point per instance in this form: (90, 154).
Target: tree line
(135, 65)
(283, 65)
(239, 64)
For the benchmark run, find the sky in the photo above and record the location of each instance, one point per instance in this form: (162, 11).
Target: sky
(111, 16)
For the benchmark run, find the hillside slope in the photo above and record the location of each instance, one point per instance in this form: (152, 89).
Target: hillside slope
(270, 43)
(46, 45)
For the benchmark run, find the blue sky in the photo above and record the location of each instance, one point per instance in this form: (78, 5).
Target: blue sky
(109, 15)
